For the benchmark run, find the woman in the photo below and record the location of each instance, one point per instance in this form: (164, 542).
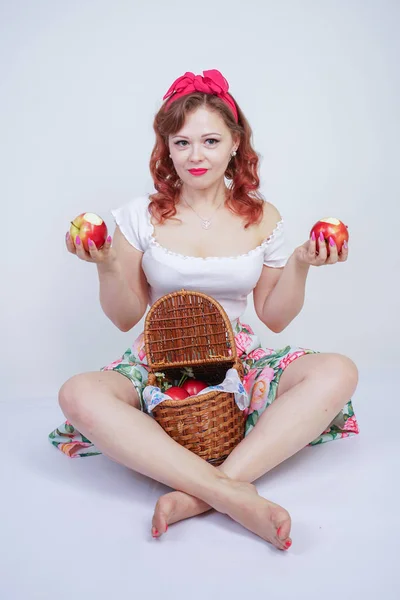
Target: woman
(224, 240)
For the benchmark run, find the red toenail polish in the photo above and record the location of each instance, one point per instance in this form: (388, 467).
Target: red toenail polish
(155, 532)
(166, 529)
(288, 544)
(278, 533)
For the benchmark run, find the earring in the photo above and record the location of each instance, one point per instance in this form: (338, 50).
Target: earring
(170, 156)
(233, 153)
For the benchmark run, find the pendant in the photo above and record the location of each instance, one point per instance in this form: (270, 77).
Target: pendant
(206, 224)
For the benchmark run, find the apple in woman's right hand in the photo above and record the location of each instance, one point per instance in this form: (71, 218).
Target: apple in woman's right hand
(89, 226)
(86, 239)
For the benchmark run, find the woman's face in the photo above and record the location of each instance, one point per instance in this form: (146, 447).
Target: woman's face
(202, 149)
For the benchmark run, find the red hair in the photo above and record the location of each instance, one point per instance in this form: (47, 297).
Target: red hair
(243, 197)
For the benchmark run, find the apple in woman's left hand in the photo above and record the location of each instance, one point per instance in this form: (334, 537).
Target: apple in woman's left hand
(318, 252)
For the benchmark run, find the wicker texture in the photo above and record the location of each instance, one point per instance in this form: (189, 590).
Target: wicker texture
(191, 329)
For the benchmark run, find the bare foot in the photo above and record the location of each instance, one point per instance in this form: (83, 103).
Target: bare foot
(174, 507)
(243, 504)
(267, 519)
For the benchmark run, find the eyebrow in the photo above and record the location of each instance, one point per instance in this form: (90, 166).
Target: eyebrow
(203, 136)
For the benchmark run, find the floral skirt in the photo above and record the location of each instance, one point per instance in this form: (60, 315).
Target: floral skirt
(263, 368)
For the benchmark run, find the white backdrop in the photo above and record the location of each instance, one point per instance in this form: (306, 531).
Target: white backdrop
(80, 83)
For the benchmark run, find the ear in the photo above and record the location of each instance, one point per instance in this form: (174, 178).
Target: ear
(236, 141)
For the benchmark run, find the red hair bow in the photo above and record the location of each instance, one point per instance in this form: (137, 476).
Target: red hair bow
(213, 82)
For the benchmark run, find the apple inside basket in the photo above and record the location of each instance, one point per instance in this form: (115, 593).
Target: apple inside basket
(209, 423)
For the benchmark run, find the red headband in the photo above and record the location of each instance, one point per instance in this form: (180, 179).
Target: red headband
(213, 82)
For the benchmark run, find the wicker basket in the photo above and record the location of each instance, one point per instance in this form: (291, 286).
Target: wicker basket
(191, 329)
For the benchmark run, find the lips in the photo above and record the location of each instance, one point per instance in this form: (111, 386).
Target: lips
(197, 172)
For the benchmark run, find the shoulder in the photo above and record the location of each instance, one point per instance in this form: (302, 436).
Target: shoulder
(270, 221)
(273, 237)
(137, 204)
(133, 219)
(134, 210)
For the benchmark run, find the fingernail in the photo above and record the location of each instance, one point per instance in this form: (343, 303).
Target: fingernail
(109, 239)
(288, 544)
(331, 241)
(90, 242)
(78, 240)
(321, 236)
(345, 245)
(67, 235)
(313, 236)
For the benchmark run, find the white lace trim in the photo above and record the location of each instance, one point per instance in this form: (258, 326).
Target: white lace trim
(252, 252)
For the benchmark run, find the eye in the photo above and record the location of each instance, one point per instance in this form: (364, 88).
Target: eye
(213, 140)
(180, 143)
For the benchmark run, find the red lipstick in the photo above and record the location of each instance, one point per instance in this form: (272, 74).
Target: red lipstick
(197, 172)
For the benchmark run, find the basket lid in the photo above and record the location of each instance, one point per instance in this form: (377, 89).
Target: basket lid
(188, 328)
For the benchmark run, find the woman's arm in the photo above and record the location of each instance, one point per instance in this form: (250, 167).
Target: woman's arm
(123, 285)
(279, 294)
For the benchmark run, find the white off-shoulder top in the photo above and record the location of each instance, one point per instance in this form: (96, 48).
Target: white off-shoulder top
(228, 279)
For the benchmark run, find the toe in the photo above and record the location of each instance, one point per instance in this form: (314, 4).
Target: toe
(283, 527)
(283, 533)
(287, 544)
(159, 529)
(159, 523)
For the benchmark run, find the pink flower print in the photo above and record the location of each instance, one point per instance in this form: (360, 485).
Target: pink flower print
(267, 373)
(111, 366)
(258, 353)
(260, 394)
(351, 425)
(289, 358)
(260, 390)
(242, 341)
(249, 329)
(138, 347)
(72, 449)
(248, 380)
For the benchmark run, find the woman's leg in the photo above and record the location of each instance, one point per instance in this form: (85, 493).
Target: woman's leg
(312, 391)
(103, 407)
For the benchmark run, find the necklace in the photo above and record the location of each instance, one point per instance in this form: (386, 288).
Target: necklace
(205, 223)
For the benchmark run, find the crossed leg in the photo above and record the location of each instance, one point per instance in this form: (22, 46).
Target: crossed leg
(104, 407)
(312, 391)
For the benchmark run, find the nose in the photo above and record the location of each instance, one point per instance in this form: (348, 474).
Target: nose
(196, 154)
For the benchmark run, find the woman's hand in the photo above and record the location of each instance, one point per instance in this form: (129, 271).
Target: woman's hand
(105, 255)
(315, 252)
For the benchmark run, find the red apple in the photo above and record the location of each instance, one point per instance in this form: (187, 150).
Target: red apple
(88, 225)
(176, 393)
(194, 386)
(331, 227)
